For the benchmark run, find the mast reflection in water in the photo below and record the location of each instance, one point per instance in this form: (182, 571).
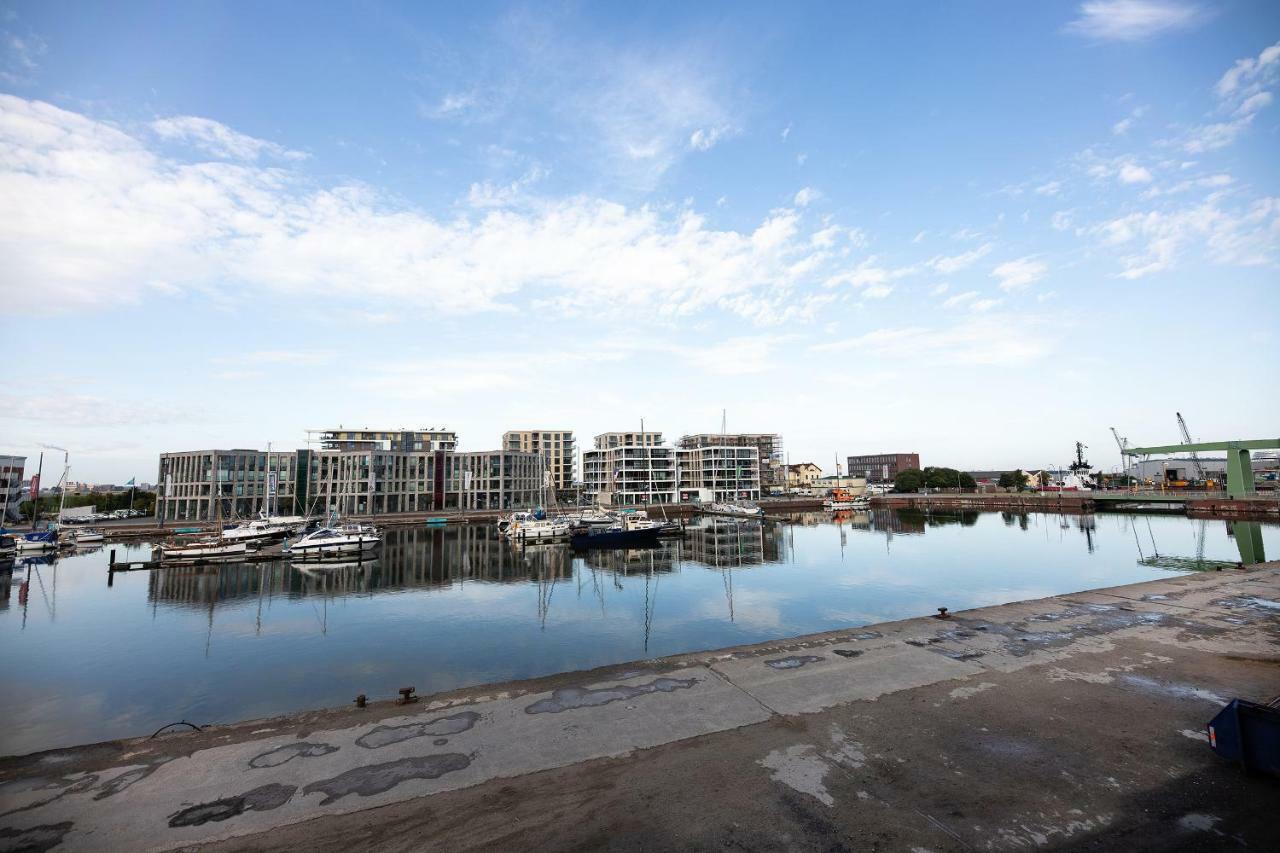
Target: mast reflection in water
(441, 608)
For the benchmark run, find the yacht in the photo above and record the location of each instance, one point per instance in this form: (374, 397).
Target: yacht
(202, 549)
(86, 536)
(748, 510)
(38, 540)
(260, 530)
(335, 541)
(629, 531)
(539, 529)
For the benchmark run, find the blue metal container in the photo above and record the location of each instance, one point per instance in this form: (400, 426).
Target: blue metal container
(1248, 733)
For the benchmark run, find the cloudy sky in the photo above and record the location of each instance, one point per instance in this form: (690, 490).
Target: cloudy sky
(975, 231)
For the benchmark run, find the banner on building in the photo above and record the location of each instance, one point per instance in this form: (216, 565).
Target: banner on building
(35, 486)
(271, 484)
(168, 485)
(466, 481)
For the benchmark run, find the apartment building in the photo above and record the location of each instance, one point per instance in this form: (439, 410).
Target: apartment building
(11, 468)
(556, 446)
(768, 447)
(882, 467)
(616, 473)
(405, 441)
(803, 475)
(350, 482)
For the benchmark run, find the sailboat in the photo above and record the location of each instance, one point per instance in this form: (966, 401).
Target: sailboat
(210, 548)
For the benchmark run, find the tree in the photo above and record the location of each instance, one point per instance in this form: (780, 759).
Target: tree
(1014, 479)
(910, 480)
(947, 478)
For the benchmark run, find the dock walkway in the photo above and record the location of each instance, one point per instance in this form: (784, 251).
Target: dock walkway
(1067, 722)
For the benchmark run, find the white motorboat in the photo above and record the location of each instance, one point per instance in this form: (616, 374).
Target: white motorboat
(203, 549)
(38, 541)
(258, 531)
(748, 510)
(335, 541)
(87, 536)
(539, 529)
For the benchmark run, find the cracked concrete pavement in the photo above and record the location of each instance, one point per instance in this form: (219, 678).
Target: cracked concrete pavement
(1074, 719)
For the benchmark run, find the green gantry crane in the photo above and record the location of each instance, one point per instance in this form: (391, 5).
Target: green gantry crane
(1239, 463)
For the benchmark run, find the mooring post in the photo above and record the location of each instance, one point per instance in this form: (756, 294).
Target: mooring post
(113, 559)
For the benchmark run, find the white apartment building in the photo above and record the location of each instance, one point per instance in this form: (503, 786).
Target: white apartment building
(557, 447)
(616, 473)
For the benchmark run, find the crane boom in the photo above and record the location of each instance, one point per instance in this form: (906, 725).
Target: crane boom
(1186, 439)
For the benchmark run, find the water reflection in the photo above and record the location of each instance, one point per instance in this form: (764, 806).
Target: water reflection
(442, 608)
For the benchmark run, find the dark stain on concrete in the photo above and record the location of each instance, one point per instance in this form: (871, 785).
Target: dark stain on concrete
(377, 778)
(847, 653)
(440, 741)
(35, 839)
(569, 698)
(288, 752)
(262, 799)
(453, 724)
(793, 661)
(67, 786)
(129, 777)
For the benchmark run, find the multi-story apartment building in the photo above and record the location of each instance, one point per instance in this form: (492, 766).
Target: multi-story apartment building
(607, 440)
(882, 467)
(629, 474)
(351, 482)
(768, 446)
(11, 486)
(556, 446)
(403, 440)
(646, 472)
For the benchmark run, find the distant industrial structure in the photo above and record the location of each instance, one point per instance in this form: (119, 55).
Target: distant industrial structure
(882, 467)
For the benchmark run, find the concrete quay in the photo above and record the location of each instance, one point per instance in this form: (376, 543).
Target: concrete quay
(1072, 722)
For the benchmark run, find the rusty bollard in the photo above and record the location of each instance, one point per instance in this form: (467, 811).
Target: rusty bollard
(942, 614)
(406, 696)
(361, 701)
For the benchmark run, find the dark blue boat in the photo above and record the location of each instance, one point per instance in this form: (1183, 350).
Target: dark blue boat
(623, 535)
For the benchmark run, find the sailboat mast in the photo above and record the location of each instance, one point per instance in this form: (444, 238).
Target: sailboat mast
(66, 473)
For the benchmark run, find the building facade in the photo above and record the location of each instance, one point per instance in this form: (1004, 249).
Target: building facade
(803, 475)
(405, 441)
(619, 474)
(768, 446)
(882, 467)
(556, 446)
(11, 468)
(349, 482)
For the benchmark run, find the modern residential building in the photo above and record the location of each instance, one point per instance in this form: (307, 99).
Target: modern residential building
(768, 446)
(11, 486)
(607, 440)
(618, 474)
(802, 476)
(556, 446)
(625, 474)
(350, 482)
(403, 440)
(882, 467)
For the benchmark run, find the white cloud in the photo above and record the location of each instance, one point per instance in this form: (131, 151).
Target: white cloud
(91, 216)
(939, 289)
(1211, 137)
(1134, 20)
(981, 306)
(1248, 73)
(1061, 220)
(19, 57)
(786, 131)
(297, 358)
(1246, 237)
(947, 265)
(1125, 124)
(704, 138)
(869, 273)
(1049, 188)
(1019, 273)
(960, 299)
(988, 340)
(919, 238)
(806, 196)
(1131, 173)
(217, 139)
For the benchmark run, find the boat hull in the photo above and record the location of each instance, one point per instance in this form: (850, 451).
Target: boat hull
(615, 538)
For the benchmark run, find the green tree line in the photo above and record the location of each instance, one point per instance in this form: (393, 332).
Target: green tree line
(103, 501)
(915, 479)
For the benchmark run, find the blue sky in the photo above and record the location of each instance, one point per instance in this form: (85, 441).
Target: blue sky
(975, 231)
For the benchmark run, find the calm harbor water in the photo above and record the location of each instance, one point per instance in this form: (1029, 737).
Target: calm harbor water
(441, 608)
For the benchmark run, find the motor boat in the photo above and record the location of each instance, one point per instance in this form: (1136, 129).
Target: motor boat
(86, 536)
(260, 530)
(539, 529)
(630, 531)
(335, 541)
(747, 510)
